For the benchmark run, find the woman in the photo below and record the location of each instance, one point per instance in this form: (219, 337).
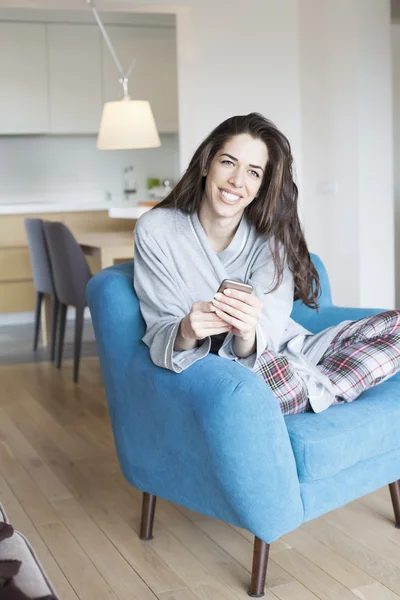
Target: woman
(233, 215)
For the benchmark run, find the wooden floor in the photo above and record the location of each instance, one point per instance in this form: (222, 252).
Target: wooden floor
(61, 486)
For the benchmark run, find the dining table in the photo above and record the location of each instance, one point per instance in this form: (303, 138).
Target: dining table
(106, 247)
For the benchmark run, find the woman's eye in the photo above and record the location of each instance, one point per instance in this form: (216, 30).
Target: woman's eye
(255, 173)
(226, 161)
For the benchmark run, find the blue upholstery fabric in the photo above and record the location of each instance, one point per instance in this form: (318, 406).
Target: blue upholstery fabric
(346, 434)
(213, 438)
(323, 495)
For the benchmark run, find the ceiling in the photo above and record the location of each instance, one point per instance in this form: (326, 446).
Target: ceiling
(104, 5)
(123, 5)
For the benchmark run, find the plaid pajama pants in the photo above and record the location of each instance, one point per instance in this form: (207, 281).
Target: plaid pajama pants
(363, 354)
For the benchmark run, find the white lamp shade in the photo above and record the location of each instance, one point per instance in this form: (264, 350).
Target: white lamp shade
(127, 124)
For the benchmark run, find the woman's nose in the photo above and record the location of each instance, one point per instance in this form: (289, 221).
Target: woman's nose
(237, 178)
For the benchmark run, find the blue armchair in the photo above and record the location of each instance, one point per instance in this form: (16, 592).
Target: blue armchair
(213, 439)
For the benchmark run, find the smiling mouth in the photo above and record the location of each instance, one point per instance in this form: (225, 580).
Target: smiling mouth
(228, 197)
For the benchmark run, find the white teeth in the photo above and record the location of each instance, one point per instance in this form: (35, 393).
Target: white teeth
(229, 196)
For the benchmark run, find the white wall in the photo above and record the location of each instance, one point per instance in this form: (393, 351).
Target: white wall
(236, 59)
(347, 145)
(68, 164)
(396, 129)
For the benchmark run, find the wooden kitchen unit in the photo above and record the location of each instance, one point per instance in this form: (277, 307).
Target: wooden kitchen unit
(17, 292)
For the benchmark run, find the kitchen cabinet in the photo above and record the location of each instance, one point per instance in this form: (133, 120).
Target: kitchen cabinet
(54, 77)
(23, 79)
(154, 77)
(75, 80)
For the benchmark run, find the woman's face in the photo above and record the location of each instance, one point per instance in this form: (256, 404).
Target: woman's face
(235, 176)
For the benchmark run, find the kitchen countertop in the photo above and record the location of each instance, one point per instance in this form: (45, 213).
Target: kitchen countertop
(128, 212)
(48, 207)
(69, 201)
(66, 201)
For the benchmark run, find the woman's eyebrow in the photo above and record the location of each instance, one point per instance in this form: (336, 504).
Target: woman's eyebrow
(234, 158)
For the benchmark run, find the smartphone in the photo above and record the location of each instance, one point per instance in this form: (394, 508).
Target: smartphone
(235, 285)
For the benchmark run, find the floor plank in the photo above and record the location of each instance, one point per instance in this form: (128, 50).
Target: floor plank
(294, 591)
(375, 591)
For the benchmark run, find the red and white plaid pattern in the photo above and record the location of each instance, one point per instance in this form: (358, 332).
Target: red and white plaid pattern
(364, 353)
(288, 387)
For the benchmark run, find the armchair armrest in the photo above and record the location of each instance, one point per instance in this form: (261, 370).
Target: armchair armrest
(332, 315)
(211, 438)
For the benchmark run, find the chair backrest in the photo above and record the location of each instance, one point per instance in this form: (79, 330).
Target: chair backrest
(70, 270)
(39, 255)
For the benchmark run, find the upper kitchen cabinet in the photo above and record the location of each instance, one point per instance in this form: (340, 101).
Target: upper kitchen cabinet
(154, 77)
(23, 81)
(75, 79)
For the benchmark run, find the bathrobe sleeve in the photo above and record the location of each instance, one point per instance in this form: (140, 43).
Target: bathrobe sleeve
(275, 315)
(162, 303)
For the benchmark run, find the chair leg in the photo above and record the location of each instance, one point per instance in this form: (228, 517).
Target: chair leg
(78, 341)
(54, 314)
(148, 510)
(395, 495)
(39, 298)
(63, 318)
(259, 572)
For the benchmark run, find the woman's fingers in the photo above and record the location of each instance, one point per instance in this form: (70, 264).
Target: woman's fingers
(246, 298)
(240, 325)
(206, 317)
(204, 307)
(234, 312)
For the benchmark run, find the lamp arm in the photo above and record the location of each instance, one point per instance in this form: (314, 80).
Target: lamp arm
(131, 67)
(124, 78)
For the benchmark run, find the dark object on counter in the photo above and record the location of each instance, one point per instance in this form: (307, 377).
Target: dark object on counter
(42, 279)
(71, 274)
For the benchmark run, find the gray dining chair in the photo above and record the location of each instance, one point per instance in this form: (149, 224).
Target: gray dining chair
(42, 279)
(71, 274)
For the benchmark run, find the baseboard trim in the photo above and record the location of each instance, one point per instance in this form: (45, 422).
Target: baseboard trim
(24, 318)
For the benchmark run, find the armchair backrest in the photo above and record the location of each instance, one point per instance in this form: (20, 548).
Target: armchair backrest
(301, 312)
(118, 325)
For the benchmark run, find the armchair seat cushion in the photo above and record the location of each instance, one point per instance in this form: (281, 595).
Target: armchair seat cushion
(334, 440)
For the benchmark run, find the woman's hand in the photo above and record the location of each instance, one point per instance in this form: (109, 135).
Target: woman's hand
(240, 310)
(201, 322)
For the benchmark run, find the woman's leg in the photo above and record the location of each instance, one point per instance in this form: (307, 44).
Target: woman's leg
(288, 387)
(363, 354)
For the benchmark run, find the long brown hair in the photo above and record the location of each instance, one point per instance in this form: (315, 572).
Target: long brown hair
(274, 211)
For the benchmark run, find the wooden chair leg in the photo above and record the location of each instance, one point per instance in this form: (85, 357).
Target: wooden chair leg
(63, 318)
(395, 495)
(259, 571)
(39, 298)
(54, 315)
(78, 341)
(148, 509)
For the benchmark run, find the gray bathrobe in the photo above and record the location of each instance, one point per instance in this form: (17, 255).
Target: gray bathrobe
(175, 266)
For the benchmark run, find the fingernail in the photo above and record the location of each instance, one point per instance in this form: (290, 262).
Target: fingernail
(227, 292)
(215, 302)
(218, 296)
